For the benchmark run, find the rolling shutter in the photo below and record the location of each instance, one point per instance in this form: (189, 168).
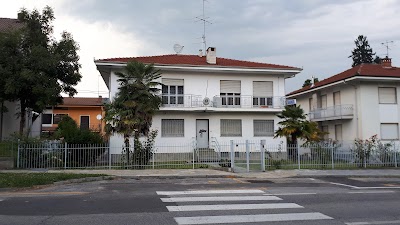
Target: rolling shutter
(172, 82)
(263, 89)
(230, 86)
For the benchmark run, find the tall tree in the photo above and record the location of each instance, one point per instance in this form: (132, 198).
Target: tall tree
(40, 68)
(308, 82)
(131, 111)
(362, 53)
(294, 126)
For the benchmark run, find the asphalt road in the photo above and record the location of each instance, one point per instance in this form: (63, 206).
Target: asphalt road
(333, 200)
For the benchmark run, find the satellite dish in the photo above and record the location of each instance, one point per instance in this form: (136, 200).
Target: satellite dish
(178, 48)
(99, 117)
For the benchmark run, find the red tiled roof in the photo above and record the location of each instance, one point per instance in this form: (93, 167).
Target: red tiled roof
(195, 60)
(367, 70)
(7, 24)
(77, 101)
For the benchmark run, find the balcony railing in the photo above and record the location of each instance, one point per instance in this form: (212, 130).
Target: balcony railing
(241, 101)
(181, 101)
(332, 113)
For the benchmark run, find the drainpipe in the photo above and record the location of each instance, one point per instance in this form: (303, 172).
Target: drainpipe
(355, 106)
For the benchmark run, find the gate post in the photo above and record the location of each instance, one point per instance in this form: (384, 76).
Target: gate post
(18, 159)
(232, 156)
(332, 156)
(109, 156)
(262, 151)
(298, 155)
(65, 155)
(247, 156)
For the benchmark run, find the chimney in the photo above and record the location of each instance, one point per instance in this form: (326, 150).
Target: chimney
(211, 55)
(386, 62)
(20, 16)
(200, 53)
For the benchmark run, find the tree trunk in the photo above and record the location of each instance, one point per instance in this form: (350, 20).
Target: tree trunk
(23, 119)
(1, 120)
(127, 149)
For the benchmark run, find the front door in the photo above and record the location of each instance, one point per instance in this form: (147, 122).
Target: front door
(202, 133)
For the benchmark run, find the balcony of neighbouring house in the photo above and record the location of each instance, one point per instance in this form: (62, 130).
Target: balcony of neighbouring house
(181, 101)
(337, 112)
(241, 101)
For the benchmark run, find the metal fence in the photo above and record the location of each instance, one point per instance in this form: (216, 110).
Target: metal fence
(239, 155)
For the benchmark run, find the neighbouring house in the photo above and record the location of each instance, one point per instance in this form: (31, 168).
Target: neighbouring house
(87, 113)
(9, 120)
(207, 98)
(357, 103)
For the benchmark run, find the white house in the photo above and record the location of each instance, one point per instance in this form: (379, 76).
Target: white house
(357, 103)
(207, 97)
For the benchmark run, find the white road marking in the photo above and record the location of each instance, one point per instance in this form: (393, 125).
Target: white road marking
(369, 192)
(224, 198)
(375, 222)
(280, 194)
(1, 199)
(378, 188)
(233, 207)
(346, 185)
(251, 218)
(204, 192)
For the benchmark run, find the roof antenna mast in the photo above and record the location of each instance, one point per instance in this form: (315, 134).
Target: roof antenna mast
(386, 44)
(205, 20)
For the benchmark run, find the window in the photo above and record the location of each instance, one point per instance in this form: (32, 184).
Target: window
(172, 91)
(336, 98)
(389, 131)
(262, 93)
(338, 132)
(325, 130)
(47, 118)
(57, 118)
(310, 105)
(230, 92)
(172, 128)
(387, 95)
(263, 128)
(84, 123)
(323, 101)
(231, 128)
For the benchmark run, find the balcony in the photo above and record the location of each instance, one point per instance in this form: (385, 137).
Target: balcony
(337, 112)
(241, 101)
(181, 101)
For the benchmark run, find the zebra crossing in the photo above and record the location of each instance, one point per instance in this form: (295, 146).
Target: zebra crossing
(198, 203)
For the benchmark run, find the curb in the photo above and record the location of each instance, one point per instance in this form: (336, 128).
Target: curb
(139, 177)
(82, 180)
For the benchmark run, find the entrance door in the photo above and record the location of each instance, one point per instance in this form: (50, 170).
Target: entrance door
(84, 122)
(202, 133)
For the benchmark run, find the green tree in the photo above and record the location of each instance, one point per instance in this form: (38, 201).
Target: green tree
(308, 82)
(362, 53)
(39, 68)
(131, 111)
(294, 126)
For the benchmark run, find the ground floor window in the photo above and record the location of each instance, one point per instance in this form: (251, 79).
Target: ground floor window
(389, 131)
(231, 128)
(172, 128)
(325, 129)
(263, 128)
(338, 132)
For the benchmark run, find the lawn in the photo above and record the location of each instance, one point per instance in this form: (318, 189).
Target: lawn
(19, 180)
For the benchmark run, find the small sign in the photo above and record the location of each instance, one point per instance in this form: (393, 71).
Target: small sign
(206, 101)
(290, 101)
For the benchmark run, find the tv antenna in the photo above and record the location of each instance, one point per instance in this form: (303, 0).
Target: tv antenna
(386, 44)
(178, 48)
(205, 21)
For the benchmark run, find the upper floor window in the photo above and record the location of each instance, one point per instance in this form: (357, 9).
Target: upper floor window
(172, 91)
(323, 101)
(57, 118)
(310, 104)
(230, 92)
(387, 95)
(263, 93)
(336, 98)
(47, 118)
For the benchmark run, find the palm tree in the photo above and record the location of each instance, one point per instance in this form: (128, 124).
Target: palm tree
(131, 111)
(294, 126)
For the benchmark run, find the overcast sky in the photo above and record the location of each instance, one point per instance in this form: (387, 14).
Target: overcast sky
(316, 35)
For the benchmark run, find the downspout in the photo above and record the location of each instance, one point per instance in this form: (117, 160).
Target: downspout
(355, 107)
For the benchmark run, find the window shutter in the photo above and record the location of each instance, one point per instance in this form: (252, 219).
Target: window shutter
(323, 101)
(172, 82)
(230, 86)
(389, 131)
(387, 95)
(263, 89)
(231, 128)
(172, 128)
(338, 132)
(263, 128)
(336, 98)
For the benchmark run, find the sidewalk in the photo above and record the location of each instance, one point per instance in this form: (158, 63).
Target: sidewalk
(210, 173)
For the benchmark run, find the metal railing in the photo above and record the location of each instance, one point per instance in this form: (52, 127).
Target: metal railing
(239, 155)
(332, 113)
(181, 101)
(248, 101)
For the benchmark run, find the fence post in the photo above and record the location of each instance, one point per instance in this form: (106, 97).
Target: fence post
(262, 150)
(194, 145)
(395, 157)
(247, 156)
(232, 156)
(298, 155)
(332, 156)
(65, 155)
(18, 153)
(109, 157)
(365, 158)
